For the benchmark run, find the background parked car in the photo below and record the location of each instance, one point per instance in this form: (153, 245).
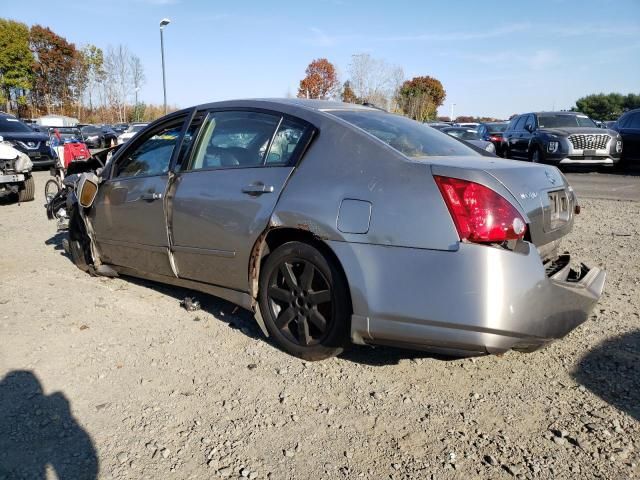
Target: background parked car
(470, 136)
(130, 132)
(438, 125)
(563, 138)
(98, 137)
(472, 125)
(119, 128)
(492, 132)
(628, 125)
(24, 139)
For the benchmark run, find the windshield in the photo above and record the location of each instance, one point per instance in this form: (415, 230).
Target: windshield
(496, 127)
(561, 121)
(407, 136)
(9, 124)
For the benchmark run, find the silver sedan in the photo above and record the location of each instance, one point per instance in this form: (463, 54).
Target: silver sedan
(337, 224)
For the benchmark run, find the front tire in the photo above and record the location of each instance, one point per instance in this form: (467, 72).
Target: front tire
(304, 302)
(79, 243)
(535, 156)
(51, 189)
(28, 192)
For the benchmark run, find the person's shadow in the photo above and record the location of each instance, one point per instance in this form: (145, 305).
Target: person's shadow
(612, 371)
(37, 430)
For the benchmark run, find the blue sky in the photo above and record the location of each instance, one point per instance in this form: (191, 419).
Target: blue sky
(493, 58)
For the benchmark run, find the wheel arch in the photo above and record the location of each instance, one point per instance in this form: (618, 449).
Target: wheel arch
(270, 239)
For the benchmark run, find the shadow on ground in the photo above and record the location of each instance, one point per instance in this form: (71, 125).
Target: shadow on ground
(38, 430)
(612, 371)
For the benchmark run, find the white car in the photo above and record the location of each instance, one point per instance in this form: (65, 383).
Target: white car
(130, 132)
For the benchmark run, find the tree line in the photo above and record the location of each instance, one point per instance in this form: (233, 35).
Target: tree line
(375, 82)
(43, 73)
(608, 106)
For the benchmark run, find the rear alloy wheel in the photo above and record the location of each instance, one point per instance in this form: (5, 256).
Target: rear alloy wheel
(304, 303)
(28, 192)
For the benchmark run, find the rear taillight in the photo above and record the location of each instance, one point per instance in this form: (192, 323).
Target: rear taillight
(494, 138)
(480, 214)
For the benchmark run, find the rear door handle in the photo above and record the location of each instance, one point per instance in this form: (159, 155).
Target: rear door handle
(151, 196)
(257, 189)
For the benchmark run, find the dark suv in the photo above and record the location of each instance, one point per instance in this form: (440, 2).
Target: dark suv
(24, 139)
(629, 127)
(562, 138)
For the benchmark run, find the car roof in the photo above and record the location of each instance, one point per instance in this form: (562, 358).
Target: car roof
(308, 104)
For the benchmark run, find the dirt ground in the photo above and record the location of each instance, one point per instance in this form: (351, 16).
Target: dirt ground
(111, 378)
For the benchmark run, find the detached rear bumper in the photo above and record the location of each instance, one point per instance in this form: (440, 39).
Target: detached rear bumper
(477, 299)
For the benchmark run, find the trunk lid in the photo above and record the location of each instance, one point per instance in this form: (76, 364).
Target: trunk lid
(541, 191)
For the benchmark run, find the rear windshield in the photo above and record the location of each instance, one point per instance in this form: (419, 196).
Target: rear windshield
(409, 137)
(560, 121)
(8, 124)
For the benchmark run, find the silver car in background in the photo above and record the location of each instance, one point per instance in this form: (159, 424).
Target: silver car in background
(470, 136)
(131, 130)
(338, 223)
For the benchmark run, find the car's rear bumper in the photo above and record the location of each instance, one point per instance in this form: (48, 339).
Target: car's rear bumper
(477, 299)
(588, 161)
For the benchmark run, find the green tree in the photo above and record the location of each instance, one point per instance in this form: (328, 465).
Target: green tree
(608, 106)
(420, 97)
(16, 61)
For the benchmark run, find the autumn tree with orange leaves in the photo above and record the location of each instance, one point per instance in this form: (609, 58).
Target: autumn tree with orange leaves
(321, 80)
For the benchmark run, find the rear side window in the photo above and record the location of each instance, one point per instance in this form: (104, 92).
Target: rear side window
(407, 136)
(286, 142)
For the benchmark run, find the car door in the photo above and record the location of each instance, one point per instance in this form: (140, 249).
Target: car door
(514, 135)
(630, 131)
(223, 199)
(526, 135)
(129, 215)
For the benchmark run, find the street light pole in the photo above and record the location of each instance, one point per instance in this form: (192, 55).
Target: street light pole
(163, 23)
(451, 117)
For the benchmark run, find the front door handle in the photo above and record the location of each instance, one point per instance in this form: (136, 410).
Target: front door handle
(257, 189)
(151, 196)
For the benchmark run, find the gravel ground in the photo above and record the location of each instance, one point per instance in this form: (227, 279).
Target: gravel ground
(112, 378)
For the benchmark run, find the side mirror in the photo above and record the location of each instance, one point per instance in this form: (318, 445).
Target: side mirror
(87, 189)
(529, 128)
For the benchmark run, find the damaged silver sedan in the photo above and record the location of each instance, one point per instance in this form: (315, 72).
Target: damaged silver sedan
(339, 224)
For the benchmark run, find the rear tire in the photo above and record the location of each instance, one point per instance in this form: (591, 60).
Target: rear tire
(28, 192)
(304, 302)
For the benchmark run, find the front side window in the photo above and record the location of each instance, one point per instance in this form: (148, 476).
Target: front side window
(234, 139)
(152, 155)
(408, 137)
(520, 123)
(530, 122)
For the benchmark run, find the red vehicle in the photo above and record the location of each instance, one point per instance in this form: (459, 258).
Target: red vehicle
(69, 147)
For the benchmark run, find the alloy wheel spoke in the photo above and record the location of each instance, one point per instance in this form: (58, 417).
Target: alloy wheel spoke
(321, 296)
(280, 294)
(306, 279)
(285, 318)
(289, 277)
(318, 320)
(303, 331)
